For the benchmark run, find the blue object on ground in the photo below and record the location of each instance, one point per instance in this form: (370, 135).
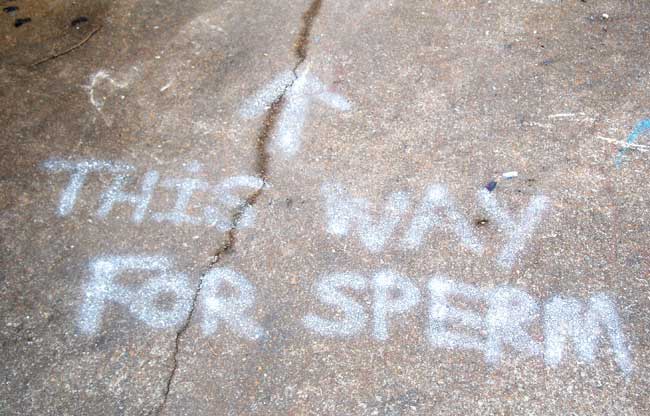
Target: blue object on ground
(641, 127)
(491, 185)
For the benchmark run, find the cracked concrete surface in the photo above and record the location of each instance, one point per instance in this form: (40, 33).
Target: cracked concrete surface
(449, 92)
(261, 170)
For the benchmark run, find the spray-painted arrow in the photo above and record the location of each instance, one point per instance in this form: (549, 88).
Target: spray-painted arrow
(298, 93)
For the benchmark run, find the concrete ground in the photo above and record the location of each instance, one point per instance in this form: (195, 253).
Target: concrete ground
(324, 207)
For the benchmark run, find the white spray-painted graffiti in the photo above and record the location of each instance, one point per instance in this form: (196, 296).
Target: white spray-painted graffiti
(510, 312)
(96, 79)
(78, 174)
(227, 300)
(345, 214)
(103, 287)
(504, 328)
(518, 233)
(143, 300)
(354, 317)
(585, 325)
(231, 310)
(298, 92)
(220, 197)
(103, 85)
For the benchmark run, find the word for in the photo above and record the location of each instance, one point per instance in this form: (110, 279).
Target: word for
(222, 195)
(226, 299)
(436, 210)
(297, 91)
(143, 301)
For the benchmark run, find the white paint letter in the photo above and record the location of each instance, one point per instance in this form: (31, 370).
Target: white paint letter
(223, 193)
(518, 233)
(510, 312)
(185, 188)
(354, 317)
(116, 194)
(386, 305)
(441, 313)
(232, 310)
(436, 205)
(79, 171)
(568, 318)
(141, 302)
(345, 212)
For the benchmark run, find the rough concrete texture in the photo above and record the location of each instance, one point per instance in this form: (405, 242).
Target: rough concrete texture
(401, 96)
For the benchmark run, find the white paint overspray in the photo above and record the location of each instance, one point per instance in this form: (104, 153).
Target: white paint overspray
(510, 311)
(103, 77)
(299, 91)
(385, 306)
(328, 290)
(79, 171)
(140, 201)
(435, 205)
(185, 189)
(227, 299)
(344, 213)
(223, 194)
(261, 102)
(519, 232)
(103, 287)
(233, 310)
(95, 80)
(442, 314)
(586, 326)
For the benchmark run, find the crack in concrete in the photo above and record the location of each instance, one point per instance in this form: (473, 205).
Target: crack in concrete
(300, 48)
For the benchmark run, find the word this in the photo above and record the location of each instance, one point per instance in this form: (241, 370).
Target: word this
(221, 196)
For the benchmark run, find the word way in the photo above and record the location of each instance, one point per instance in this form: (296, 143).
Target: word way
(436, 211)
(222, 196)
(226, 300)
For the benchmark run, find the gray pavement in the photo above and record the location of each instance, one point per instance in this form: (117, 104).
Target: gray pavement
(324, 208)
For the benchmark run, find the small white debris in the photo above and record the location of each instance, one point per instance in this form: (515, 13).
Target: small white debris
(605, 16)
(511, 174)
(166, 86)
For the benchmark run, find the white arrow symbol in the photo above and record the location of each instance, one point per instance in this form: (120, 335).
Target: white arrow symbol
(299, 92)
